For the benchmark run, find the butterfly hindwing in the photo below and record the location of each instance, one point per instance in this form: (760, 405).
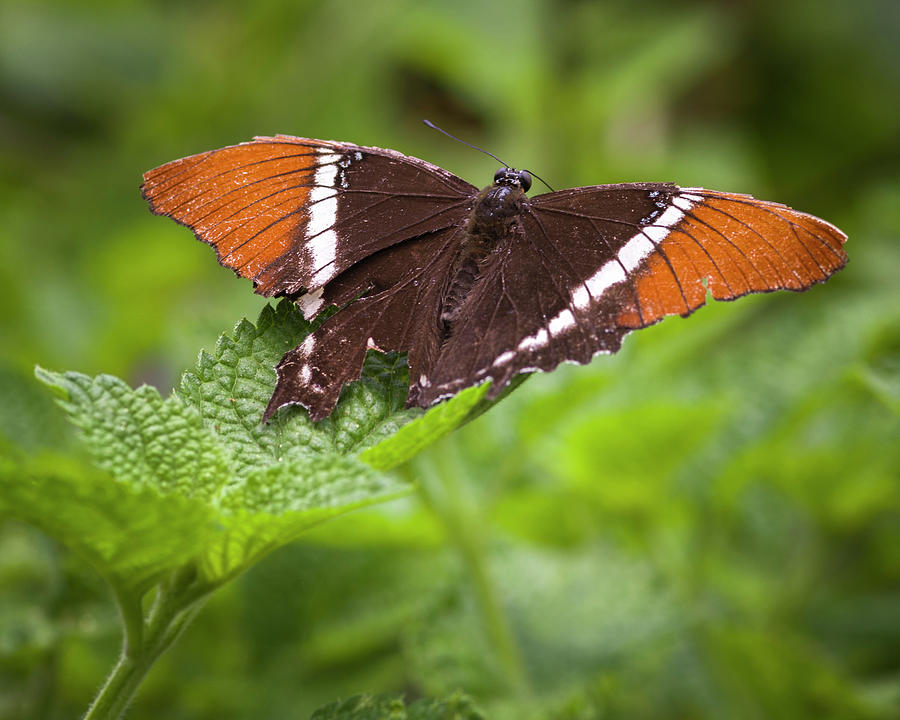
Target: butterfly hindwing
(401, 287)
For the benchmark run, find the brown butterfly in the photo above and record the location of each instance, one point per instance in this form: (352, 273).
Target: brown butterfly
(474, 284)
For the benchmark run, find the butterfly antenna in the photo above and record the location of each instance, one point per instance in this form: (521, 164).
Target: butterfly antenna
(542, 180)
(474, 147)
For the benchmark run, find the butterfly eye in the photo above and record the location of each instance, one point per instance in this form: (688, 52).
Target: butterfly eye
(500, 174)
(524, 179)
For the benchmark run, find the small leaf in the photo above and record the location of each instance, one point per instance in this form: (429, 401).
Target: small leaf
(231, 388)
(373, 408)
(28, 418)
(388, 707)
(417, 435)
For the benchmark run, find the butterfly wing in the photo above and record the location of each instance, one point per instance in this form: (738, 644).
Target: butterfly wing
(589, 265)
(298, 217)
(400, 310)
(291, 214)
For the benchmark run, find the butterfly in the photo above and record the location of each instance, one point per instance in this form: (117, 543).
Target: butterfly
(473, 284)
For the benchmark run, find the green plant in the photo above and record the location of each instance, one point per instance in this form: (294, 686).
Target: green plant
(172, 498)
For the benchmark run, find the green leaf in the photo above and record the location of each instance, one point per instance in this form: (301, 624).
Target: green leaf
(131, 534)
(163, 490)
(197, 479)
(274, 504)
(231, 388)
(28, 419)
(390, 707)
(417, 435)
(624, 612)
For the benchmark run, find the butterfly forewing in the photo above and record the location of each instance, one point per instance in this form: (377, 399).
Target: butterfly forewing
(293, 213)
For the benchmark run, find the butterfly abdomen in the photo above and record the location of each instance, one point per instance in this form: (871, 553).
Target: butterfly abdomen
(493, 217)
(464, 273)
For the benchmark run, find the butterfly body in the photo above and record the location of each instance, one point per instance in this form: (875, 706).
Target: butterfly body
(473, 285)
(492, 222)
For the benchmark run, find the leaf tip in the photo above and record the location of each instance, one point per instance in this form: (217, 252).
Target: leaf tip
(53, 380)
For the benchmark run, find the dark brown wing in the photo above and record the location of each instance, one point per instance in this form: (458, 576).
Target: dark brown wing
(589, 265)
(400, 311)
(291, 213)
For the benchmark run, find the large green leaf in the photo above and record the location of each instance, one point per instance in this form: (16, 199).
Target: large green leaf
(197, 478)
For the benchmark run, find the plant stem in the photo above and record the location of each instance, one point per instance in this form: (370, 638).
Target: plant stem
(173, 609)
(132, 621)
(118, 690)
(494, 616)
(445, 495)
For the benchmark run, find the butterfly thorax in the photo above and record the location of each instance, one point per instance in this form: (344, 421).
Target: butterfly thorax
(493, 218)
(496, 209)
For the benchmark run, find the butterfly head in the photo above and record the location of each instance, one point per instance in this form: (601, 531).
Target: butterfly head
(514, 178)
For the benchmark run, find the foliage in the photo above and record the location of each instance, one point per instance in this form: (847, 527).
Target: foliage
(196, 478)
(183, 494)
(364, 707)
(705, 525)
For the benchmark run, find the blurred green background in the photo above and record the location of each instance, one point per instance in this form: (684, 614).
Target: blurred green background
(706, 525)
